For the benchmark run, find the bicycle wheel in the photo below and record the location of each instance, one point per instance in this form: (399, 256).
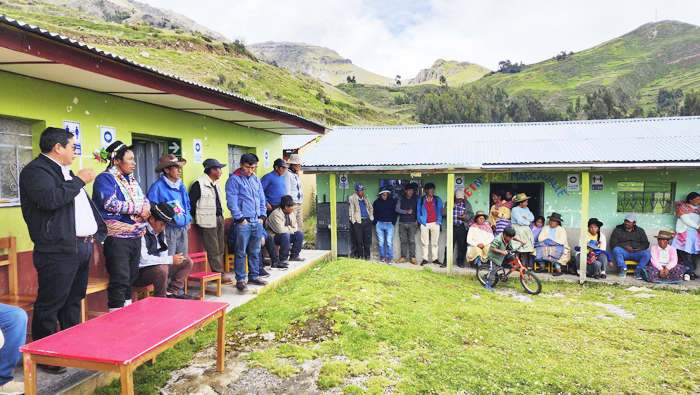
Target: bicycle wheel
(531, 283)
(482, 273)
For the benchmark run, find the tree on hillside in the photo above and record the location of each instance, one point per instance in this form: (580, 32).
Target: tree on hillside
(506, 67)
(351, 80)
(398, 79)
(443, 82)
(668, 102)
(691, 104)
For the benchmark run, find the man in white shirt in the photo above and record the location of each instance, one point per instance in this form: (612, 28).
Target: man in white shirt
(156, 266)
(62, 223)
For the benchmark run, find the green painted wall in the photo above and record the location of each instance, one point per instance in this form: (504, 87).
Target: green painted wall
(603, 203)
(48, 104)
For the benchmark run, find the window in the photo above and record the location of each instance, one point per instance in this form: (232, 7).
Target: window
(15, 153)
(645, 197)
(234, 156)
(397, 187)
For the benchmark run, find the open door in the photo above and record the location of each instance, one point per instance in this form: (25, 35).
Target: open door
(533, 189)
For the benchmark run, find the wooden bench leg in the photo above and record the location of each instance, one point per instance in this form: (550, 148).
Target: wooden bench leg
(185, 287)
(202, 289)
(29, 375)
(218, 287)
(83, 309)
(153, 361)
(221, 343)
(127, 380)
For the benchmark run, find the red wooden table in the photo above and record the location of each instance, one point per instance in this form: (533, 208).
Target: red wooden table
(123, 340)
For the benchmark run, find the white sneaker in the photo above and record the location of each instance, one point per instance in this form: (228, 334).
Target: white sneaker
(13, 387)
(686, 277)
(127, 302)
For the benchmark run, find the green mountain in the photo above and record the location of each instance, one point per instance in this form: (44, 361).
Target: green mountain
(456, 73)
(199, 57)
(635, 67)
(320, 63)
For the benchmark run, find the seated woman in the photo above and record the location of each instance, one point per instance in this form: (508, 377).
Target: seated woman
(663, 266)
(479, 238)
(687, 242)
(536, 227)
(500, 211)
(602, 259)
(553, 245)
(521, 217)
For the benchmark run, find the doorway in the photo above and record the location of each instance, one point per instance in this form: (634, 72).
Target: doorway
(147, 154)
(533, 189)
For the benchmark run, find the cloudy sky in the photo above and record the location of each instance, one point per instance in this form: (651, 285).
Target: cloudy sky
(391, 37)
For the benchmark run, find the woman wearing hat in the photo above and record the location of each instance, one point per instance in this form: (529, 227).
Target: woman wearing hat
(663, 266)
(553, 245)
(521, 217)
(384, 220)
(479, 239)
(687, 242)
(125, 208)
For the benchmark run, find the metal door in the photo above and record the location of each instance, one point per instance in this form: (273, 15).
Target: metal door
(147, 154)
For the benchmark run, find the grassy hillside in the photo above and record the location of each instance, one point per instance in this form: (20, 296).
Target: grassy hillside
(456, 73)
(198, 58)
(640, 63)
(318, 62)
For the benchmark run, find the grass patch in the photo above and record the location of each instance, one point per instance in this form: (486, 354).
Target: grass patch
(310, 229)
(378, 326)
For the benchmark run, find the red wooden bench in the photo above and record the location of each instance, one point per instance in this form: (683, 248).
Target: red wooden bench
(124, 339)
(204, 277)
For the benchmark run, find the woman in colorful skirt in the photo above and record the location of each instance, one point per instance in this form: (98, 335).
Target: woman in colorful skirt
(521, 217)
(479, 238)
(686, 241)
(663, 266)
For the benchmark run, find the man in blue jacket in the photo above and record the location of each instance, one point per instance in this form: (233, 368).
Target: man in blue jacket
(246, 200)
(169, 188)
(430, 218)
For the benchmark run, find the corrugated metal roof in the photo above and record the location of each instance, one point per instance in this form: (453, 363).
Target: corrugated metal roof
(473, 146)
(66, 40)
(296, 141)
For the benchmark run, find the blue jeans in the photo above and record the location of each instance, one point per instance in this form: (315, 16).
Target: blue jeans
(13, 325)
(385, 233)
(621, 255)
(248, 238)
(285, 239)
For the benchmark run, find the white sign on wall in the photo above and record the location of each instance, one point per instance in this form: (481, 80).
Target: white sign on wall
(344, 184)
(74, 127)
(572, 182)
(597, 182)
(108, 135)
(267, 157)
(198, 154)
(459, 183)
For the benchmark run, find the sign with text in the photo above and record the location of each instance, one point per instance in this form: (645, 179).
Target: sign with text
(74, 127)
(174, 147)
(198, 154)
(108, 135)
(459, 183)
(343, 179)
(597, 182)
(267, 157)
(572, 182)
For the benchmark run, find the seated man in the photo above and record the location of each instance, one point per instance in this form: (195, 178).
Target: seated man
(155, 266)
(268, 242)
(13, 333)
(629, 243)
(282, 226)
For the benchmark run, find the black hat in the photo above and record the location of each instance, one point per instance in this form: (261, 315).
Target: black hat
(509, 231)
(164, 212)
(286, 200)
(209, 163)
(556, 217)
(595, 221)
(429, 185)
(411, 185)
(279, 162)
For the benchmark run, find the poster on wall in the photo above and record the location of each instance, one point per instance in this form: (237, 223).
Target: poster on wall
(459, 183)
(343, 181)
(74, 127)
(108, 135)
(572, 181)
(597, 182)
(198, 154)
(267, 158)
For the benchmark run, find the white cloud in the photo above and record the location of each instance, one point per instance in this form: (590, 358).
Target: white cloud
(392, 37)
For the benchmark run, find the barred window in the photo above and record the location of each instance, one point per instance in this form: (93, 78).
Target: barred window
(15, 153)
(645, 197)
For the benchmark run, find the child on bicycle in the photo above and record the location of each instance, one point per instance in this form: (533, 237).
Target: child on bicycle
(498, 252)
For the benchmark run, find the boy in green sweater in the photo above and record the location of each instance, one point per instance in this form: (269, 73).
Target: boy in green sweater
(498, 252)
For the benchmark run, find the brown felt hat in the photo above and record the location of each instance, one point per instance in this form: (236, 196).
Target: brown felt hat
(664, 234)
(555, 217)
(169, 160)
(519, 198)
(480, 213)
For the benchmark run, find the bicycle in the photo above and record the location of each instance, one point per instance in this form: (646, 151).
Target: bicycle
(511, 263)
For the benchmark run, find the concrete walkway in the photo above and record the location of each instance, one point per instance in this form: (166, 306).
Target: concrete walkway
(79, 381)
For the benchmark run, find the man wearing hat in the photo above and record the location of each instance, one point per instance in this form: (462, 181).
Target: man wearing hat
(283, 227)
(429, 214)
(629, 243)
(406, 208)
(461, 216)
(246, 200)
(384, 219)
(208, 214)
(273, 184)
(361, 217)
(293, 186)
(170, 189)
(156, 265)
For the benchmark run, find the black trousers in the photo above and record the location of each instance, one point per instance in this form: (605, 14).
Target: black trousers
(122, 261)
(689, 260)
(362, 234)
(460, 238)
(63, 279)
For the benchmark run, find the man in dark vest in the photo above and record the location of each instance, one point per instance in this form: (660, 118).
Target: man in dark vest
(406, 208)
